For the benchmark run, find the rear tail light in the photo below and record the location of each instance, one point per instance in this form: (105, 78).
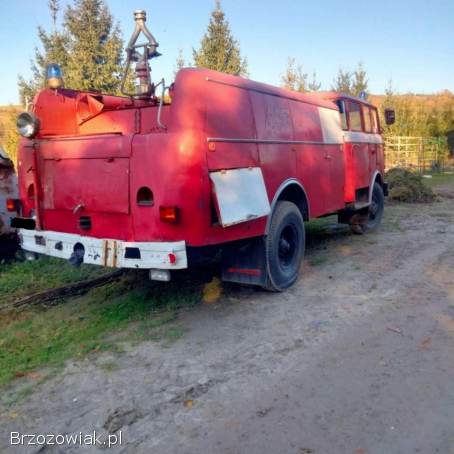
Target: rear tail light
(169, 214)
(12, 204)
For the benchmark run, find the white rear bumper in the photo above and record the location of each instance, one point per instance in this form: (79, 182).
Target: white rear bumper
(107, 252)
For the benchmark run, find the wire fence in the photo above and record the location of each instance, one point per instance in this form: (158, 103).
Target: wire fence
(421, 154)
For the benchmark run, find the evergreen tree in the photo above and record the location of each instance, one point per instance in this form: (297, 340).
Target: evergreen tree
(294, 78)
(218, 49)
(343, 82)
(359, 83)
(314, 84)
(180, 62)
(88, 48)
(55, 44)
(389, 94)
(95, 47)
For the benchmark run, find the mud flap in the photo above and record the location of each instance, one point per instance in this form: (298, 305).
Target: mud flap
(244, 262)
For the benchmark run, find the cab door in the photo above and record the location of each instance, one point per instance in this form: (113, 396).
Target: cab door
(372, 145)
(378, 142)
(334, 157)
(359, 146)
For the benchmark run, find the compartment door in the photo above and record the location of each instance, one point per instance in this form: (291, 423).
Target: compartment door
(240, 195)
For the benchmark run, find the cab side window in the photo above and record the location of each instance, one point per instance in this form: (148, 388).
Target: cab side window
(366, 119)
(343, 114)
(354, 116)
(374, 116)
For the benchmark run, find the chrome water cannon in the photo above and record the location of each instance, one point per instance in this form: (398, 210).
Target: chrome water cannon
(145, 89)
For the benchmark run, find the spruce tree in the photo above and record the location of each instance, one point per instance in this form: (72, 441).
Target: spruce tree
(88, 47)
(360, 82)
(180, 62)
(218, 48)
(55, 50)
(294, 78)
(343, 82)
(95, 47)
(314, 84)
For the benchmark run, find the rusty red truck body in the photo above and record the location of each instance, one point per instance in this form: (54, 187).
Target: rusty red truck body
(221, 164)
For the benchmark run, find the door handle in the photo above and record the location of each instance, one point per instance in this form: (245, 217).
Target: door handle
(328, 157)
(78, 207)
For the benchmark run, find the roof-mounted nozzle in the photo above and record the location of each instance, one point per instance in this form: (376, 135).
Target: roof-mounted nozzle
(145, 88)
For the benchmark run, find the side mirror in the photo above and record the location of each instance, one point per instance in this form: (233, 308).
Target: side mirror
(390, 116)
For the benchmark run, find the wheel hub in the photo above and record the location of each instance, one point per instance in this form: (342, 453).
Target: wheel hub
(287, 245)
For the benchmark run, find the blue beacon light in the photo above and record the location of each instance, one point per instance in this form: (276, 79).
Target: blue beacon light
(54, 76)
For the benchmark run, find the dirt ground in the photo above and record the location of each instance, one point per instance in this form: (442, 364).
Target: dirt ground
(356, 358)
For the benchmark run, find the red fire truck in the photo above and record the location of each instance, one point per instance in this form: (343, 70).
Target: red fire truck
(220, 165)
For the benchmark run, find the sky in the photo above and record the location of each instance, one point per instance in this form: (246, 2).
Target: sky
(408, 41)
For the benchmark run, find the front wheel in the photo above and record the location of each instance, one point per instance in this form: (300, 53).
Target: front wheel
(284, 247)
(370, 221)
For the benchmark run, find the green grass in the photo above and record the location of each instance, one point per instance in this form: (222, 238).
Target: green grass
(22, 278)
(109, 366)
(317, 226)
(132, 309)
(318, 260)
(19, 395)
(439, 179)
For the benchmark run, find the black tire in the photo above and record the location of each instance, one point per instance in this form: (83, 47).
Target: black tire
(360, 223)
(9, 245)
(285, 244)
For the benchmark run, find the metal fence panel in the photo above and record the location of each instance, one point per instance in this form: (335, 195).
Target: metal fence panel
(422, 154)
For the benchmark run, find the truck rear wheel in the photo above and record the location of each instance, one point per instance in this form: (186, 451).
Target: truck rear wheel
(284, 247)
(371, 220)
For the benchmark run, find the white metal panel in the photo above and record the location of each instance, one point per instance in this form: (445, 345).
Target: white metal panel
(241, 195)
(331, 126)
(362, 137)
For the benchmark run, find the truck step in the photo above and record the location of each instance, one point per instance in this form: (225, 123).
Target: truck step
(361, 205)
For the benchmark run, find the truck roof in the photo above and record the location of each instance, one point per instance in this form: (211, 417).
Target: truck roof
(333, 95)
(248, 84)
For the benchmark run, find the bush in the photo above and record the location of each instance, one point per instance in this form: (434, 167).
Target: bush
(406, 186)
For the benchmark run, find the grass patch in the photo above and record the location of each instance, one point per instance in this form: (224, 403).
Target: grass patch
(19, 395)
(318, 226)
(319, 260)
(439, 179)
(392, 217)
(109, 366)
(443, 216)
(129, 309)
(23, 278)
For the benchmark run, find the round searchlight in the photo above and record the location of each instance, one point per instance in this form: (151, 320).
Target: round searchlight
(27, 125)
